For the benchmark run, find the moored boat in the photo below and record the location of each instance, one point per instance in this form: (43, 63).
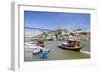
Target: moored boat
(40, 48)
(71, 44)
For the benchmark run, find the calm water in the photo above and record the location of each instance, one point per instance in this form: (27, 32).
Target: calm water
(58, 53)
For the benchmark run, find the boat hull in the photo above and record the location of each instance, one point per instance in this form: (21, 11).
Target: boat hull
(69, 48)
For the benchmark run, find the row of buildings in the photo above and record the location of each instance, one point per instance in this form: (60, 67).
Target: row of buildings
(63, 34)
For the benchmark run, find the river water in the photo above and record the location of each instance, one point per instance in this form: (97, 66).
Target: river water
(58, 53)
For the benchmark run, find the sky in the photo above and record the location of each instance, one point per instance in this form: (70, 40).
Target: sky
(54, 20)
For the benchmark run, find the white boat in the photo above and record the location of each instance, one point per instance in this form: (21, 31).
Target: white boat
(39, 50)
(35, 49)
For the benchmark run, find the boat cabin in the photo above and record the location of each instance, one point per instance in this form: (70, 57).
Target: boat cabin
(73, 43)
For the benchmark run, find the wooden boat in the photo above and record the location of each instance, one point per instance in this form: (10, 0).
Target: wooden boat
(69, 48)
(73, 45)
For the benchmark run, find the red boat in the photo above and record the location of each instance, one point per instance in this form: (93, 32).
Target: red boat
(71, 45)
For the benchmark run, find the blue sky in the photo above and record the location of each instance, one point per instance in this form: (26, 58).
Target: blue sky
(53, 20)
